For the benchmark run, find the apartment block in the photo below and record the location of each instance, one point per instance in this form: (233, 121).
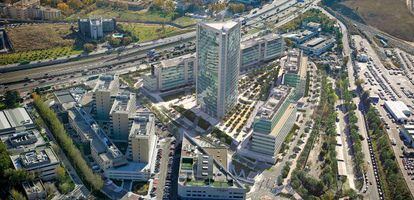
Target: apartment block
(121, 115)
(142, 138)
(104, 95)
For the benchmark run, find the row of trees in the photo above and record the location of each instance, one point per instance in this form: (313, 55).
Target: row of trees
(66, 143)
(10, 178)
(389, 172)
(356, 138)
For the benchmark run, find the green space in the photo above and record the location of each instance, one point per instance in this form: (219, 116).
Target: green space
(289, 138)
(328, 184)
(146, 32)
(50, 118)
(57, 40)
(64, 183)
(28, 56)
(11, 99)
(222, 136)
(356, 147)
(185, 21)
(140, 188)
(131, 78)
(202, 123)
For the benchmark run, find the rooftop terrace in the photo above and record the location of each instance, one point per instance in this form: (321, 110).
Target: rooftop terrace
(276, 99)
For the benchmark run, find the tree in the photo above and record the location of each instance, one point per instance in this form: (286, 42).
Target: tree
(236, 7)
(61, 174)
(63, 6)
(114, 41)
(16, 176)
(126, 40)
(75, 4)
(11, 99)
(88, 47)
(16, 195)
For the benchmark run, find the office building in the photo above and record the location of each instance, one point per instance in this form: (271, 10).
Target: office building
(302, 35)
(121, 115)
(142, 138)
(171, 74)
(104, 95)
(42, 161)
(262, 49)
(14, 120)
(202, 177)
(23, 138)
(272, 123)
(34, 190)
(318, 45)
(96, 28)
(218, 65)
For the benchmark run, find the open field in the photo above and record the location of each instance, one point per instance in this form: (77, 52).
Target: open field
(40, 36)
(391, 16)
(147, 32)
(40, 41)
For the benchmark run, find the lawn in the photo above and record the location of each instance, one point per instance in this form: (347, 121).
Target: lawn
(391, 16)
(146, 32)
(185, 21)
(27, 56)
(40, 41)
(140, 188)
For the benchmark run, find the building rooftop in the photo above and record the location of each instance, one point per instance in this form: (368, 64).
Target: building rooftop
(23, 138)
(175, 61)
(225, 26)
(141, 125)
(106, 82)
(124, 102)
(198, 168)
(254, 41)
(319, 42)
(34, 158)
(398, 108)
(15, 118)
(277, 97)
(33, 187)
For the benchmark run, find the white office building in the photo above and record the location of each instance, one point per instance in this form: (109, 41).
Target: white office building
(218, 65)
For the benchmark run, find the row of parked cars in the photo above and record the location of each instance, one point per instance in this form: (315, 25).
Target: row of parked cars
(168, 183)
(374, 165)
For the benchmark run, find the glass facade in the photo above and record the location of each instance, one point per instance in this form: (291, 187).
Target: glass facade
(218, 57)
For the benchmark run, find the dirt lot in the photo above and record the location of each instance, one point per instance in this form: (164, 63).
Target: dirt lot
(40, 36)
(391, 16)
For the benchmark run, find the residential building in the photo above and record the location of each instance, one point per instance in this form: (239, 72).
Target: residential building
(42, 161)
(262, 49)
(121, 115)
(141, 143)
(218, 65)
(31, 9)
(96, 28)
(202, 177)
(171, 74)
(105, 92)
(14, 120)
(34, 190)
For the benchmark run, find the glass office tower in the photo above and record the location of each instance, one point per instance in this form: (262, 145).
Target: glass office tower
(218, 63)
